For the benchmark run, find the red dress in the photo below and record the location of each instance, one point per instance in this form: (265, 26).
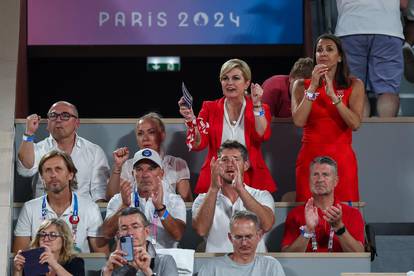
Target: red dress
(210, 126)
(326, 133)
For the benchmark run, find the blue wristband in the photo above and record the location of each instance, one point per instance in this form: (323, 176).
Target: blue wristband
(165, 215)
(28, 138)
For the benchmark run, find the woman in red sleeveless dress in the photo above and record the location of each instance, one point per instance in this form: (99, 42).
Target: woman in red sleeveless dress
(329, 107)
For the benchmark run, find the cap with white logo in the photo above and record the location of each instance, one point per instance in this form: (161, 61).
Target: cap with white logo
(148, 154)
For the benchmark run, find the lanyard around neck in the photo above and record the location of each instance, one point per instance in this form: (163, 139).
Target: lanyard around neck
(330, 241)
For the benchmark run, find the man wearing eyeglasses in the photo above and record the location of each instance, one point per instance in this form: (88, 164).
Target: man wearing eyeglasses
(144, 260)
(227, 194)
(89, 158)
(245, 235)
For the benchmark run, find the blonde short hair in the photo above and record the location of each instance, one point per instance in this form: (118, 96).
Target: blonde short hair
(66, 252)
(236, 63)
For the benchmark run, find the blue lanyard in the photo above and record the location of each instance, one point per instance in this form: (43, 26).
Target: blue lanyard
(136, 199)
(75, 207)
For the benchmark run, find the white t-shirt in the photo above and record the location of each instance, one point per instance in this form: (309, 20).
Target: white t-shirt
(90, 220)
(369, 17)
(217, 240)
(224, 266)
(175, 206)
(175, 170)
(89, 160)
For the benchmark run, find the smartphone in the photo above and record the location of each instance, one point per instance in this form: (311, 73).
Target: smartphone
(32, 265)
(127, 247)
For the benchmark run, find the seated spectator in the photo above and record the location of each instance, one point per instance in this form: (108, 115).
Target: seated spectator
(227, 194)
(150, 133)
(277, 89)
(89, 158)
(166, 211)
(372, 36)
(55, 236)
(323, 224)
(132, 222)
(58, 174)
(245, 234)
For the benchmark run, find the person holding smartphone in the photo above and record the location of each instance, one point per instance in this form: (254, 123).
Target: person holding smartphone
(133, 226)
(55, 237)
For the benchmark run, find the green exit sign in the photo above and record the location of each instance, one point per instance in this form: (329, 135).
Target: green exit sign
(163, 64)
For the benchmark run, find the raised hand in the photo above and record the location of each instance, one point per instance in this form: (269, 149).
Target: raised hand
(158, 194)
(142, 260)
(238, 176)
(126, 190)
(256, 94)
(333, 215)
(115, 259)
(215, 171)
(318, 71)
(329, 87)
(32, 124)
(311, 215)
(120, 156)
(19, 261)
(185, 111)
(49, 258)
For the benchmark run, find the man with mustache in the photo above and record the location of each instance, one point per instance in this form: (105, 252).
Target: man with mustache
(227, 194)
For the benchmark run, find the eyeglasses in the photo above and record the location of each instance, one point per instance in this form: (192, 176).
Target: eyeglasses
(240, 238)
(51, 236)
(64, 116)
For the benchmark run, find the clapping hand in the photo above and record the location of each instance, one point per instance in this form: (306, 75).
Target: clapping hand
(158, 194)
(333, 215)
(125, 190)
(216, 169)
(311, 215)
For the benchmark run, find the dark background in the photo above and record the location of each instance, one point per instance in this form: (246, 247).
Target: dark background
(112, 82)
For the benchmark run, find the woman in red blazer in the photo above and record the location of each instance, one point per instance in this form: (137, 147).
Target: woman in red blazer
(236, 116)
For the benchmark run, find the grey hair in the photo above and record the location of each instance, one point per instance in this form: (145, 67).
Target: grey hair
(245, 215)
(324, 160)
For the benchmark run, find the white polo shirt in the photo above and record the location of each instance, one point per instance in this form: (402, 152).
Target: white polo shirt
(175, 206)
(89, 159)
(217, 240)
(89, 224)
(175, 170)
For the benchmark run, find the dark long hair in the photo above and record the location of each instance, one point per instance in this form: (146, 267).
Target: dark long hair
(342, 74)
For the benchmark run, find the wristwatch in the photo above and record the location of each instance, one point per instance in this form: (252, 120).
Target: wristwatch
(340, 231)
(304, 233)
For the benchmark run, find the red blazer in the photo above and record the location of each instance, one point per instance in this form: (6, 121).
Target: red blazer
(258, 175)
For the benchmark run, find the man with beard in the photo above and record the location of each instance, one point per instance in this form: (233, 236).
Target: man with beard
(89, 158)
(323, 224)
(165, 211)
(245, 234)
(227, 194)
(58, 173)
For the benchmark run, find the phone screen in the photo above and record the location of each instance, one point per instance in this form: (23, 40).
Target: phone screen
(127, 247)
